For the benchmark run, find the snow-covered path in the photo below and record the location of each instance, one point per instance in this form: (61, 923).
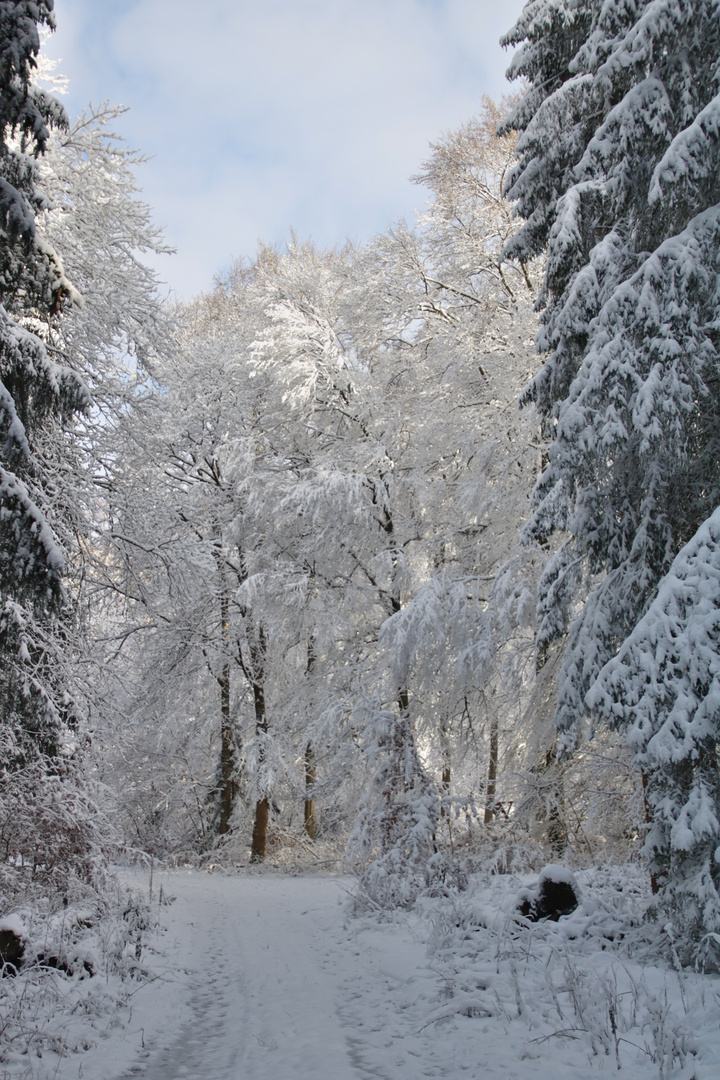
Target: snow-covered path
(268, 984)
(263, 981)
(267, 977)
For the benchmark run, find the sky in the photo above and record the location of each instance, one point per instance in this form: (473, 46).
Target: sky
(259, 116)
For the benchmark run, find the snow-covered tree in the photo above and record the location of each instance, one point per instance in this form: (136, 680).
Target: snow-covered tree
(329, 353)
(35, 392)
(664, 688)
(103, 229)
(471, 460)
(67, 366)
(176, 462)
(434, 332)
(386, 471)
(48, 814)
(617, 175)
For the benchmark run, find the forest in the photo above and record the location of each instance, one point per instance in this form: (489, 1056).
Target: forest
(401, 558)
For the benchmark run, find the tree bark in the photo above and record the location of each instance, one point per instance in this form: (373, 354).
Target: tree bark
(227, 754)
(310, 778)
(259, 839)
(310, 760)
(555, 802)
(655, 883)
(228, 785)
(446, 778)
(491, 792)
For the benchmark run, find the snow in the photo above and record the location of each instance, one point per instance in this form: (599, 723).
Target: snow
(274, 977)
(558, 874)
(15, 925)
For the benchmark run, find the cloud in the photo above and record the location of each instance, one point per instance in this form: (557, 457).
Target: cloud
(260, 116)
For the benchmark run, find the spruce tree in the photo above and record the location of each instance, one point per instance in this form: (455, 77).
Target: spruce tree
(664, 688)
(36, 395)
(617, 175)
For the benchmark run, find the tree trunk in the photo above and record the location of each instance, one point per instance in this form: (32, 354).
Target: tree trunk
(262, 806)
(259, 839)
(310, 777)
(405, 769)
(555, 802)
(550, 772)
(446, 779)
(227, 754)
(310, 761)
(491, 793)
(228, 786)
(401, 751)
(655, 883)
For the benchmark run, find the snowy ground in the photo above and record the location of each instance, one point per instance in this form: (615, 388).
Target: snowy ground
(268, 977)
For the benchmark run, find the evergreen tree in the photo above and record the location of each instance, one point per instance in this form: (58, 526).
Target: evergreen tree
(35, 393)
(54, 828)
(618, 176)
(664, 687)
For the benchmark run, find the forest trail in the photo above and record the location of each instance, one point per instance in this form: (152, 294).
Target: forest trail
(264, 980)
(264, 983)
(269, 977)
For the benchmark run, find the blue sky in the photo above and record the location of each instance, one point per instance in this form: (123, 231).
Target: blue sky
(262, 116)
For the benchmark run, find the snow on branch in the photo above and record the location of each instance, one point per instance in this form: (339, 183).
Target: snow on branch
(665, 682)
(29, 553)
(664, 689)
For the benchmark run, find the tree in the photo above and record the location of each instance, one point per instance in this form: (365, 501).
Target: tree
(70, 364)
(663, 687)
(49, 819)
(385, 470)
(331, 359)
(617, 174)
(459, 641)
(34, 392)
(174, 549)
(103, 230)
(468, 315)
